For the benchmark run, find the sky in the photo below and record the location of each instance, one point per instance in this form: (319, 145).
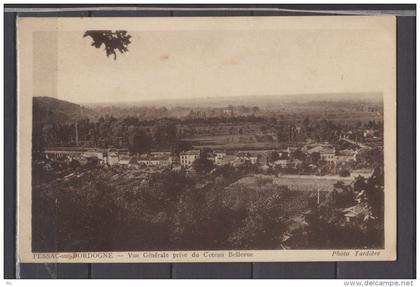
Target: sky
(220, 60)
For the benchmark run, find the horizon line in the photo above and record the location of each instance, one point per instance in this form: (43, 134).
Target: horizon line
(373, 95)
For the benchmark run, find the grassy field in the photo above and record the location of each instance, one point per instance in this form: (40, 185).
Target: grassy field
(298, 183)
(230, 142)
(309, 183)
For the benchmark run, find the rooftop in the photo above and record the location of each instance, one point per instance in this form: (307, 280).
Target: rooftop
(190, 152)
(346, 152)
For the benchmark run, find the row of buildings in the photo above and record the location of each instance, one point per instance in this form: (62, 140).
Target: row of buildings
(285, 157)
(109, 157)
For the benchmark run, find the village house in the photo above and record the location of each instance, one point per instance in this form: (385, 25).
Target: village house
(219, 158)
(365, 172)
(155, 159)
(248, 157)
(82, 155)
(231, 160)
(328, 154)
(63, 153)
(252, 158)
(162, 160)
(356, 211)
(187, 158)
(176, 167)
(326, 151)
(143, 159)
(368, 133)
(345, 156)
(112, 158)
(282, 161)
(124, 160)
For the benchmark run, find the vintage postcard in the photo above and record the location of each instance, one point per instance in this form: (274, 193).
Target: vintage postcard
(214, 139)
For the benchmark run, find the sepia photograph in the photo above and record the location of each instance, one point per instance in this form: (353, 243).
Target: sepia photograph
(206, 139)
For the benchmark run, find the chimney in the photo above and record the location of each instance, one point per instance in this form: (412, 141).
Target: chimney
(77, 136)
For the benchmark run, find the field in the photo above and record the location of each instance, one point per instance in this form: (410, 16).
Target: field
(299, 182)
(310, 183)
(231, 142)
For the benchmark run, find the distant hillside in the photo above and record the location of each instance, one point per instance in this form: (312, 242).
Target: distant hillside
(51, 110)
(262, 101)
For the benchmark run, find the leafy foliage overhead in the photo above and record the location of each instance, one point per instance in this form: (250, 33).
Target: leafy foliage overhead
(118, 40)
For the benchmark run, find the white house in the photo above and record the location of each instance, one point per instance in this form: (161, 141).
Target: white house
(328, 154)
(187, 158)
(112, 158)
(345, 155)
(66, 152)
(219, 158)
(155, 159)
(124, 160)
(250, 157)
(368, 133)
